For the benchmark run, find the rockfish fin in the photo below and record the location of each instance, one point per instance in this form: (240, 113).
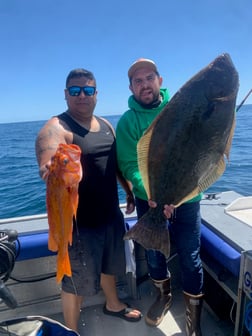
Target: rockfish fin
(52, 243)
(63, 267)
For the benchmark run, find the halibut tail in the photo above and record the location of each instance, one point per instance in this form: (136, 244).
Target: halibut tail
(150, 236)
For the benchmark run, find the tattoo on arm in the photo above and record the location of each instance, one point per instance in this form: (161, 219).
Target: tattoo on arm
(48, 140)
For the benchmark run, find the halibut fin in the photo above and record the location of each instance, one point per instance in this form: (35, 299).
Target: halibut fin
(143, 158)
(230, 138)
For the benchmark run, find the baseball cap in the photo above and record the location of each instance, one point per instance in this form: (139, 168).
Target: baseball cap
(141, 63)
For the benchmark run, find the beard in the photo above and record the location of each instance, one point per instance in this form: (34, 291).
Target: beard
(157, 99)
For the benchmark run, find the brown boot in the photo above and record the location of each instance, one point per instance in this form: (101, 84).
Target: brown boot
(193, 312)
(162, 304)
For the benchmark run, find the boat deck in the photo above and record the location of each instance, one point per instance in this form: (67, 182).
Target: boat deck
(224, 239)
(94, 323)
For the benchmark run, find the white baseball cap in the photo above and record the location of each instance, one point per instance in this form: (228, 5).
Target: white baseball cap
(141, 63)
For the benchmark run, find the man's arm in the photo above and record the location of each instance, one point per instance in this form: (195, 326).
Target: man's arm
(126, 185)
(47, 141)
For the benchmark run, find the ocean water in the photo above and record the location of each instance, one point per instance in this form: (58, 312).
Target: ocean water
(22, 192)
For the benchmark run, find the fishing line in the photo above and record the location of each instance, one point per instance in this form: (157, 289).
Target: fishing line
(243, 101)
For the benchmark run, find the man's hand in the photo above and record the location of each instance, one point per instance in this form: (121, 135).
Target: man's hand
(168, 209)
(44, 171)
(130, 206)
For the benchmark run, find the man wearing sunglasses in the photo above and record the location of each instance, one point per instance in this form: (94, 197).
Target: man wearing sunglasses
(146, 102)
(97, 252)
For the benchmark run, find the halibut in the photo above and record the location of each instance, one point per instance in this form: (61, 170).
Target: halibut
(184, 151)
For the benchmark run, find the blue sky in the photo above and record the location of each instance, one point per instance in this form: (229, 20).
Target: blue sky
(41, 41)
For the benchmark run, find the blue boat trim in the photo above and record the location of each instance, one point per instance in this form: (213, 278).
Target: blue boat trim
(35, 245)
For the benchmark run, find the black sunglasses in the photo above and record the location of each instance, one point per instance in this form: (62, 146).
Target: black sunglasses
(76, 90)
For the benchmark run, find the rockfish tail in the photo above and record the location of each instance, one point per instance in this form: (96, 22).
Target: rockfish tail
(183, 151)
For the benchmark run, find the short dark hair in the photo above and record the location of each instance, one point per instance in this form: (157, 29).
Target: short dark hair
(77, 73)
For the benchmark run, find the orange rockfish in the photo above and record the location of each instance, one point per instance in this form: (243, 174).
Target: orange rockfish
(62, 199)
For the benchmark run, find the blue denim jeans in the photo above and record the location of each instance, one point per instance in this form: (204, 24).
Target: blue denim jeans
(184, 227)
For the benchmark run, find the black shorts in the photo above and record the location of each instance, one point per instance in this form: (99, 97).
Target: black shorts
(95, 251)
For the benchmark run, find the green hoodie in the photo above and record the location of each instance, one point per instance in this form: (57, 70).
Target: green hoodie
(129, 130)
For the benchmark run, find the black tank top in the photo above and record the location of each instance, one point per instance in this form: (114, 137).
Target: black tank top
(98, 194)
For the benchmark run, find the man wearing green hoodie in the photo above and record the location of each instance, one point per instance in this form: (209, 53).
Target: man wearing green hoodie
(146, 102)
